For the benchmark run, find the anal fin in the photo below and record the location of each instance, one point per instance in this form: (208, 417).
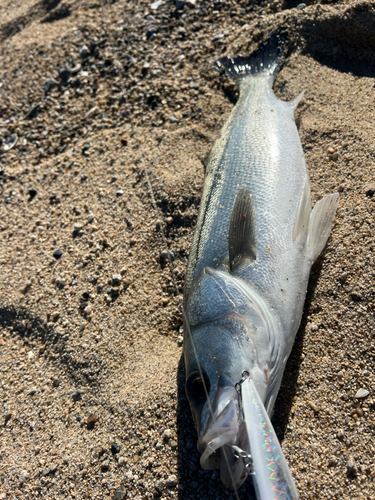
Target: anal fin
(242, 229)
(321, 222)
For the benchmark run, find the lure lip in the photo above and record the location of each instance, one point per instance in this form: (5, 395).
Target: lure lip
(225, 432)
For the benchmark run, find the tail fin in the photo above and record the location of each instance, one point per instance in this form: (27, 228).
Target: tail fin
(267, 58)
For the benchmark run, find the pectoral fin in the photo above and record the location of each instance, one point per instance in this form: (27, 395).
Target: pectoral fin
(321, 222)
(242, 229)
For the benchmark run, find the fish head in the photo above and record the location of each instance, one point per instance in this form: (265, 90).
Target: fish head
(214, 399)
(227, 332)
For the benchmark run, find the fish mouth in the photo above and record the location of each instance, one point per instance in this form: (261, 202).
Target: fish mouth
(224, 434)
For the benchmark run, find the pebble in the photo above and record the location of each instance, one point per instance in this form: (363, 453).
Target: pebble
(120, 493)
(33, 111)
(91, 112)
(90, 218)
(119, 192)
(49, 84)
(351, 466)
(165, 256)
(343, 278)
(167, 434)
(84, 52)
(87, 310)
(357, 297)
(105, 466)
(32, 194)
(115, 448)
(57, 253)
(171, 481)
(362, 393)
(301, 6)
(64, 75)
(77, 396)
(92, 420)
(10, 142)
(116, 279)
(7, 417)
(156, 5)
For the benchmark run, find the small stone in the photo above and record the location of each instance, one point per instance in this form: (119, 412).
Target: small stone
(301, 6)
(362, 393)
(33, 111)
(123, 271)
(159, 485)
(165, 256)
(116, 279)
(180, 340)
(105, 466)
(115, 448)
(84, 52)
(77, 396)
(167, 434)
(171, 481)
(119, 192)
(124, 141)
(57, 253)
(23, 477)
(90, 218)
(313, 327)
(60, 283)
(49, 84)
(91, 112)
(357, 297)
(351, 466)
(343, 278)
(56, 382)
(370, 193)
(32, 194)
(91, 421)
(87, 310)
(64, 75)
(7, 417)
(340, 435)
(169, 220)
(331, 150)
(120, 493)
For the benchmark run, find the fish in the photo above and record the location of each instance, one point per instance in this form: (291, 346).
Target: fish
(255, 242)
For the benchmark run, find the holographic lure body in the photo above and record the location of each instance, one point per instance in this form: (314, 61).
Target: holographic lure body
(272, 477)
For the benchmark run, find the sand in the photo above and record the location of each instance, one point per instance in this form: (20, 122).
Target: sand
(92, 396)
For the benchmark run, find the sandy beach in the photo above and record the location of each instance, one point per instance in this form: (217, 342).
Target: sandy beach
(108, 111)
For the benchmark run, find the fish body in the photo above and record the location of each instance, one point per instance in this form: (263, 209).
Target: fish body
(255, 242)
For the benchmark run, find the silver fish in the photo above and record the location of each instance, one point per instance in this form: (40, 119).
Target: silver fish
(255, 242)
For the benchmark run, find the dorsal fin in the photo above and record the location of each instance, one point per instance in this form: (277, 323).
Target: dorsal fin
(242, 229)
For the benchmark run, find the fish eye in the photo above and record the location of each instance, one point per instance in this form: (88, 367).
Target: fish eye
(195, 386)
